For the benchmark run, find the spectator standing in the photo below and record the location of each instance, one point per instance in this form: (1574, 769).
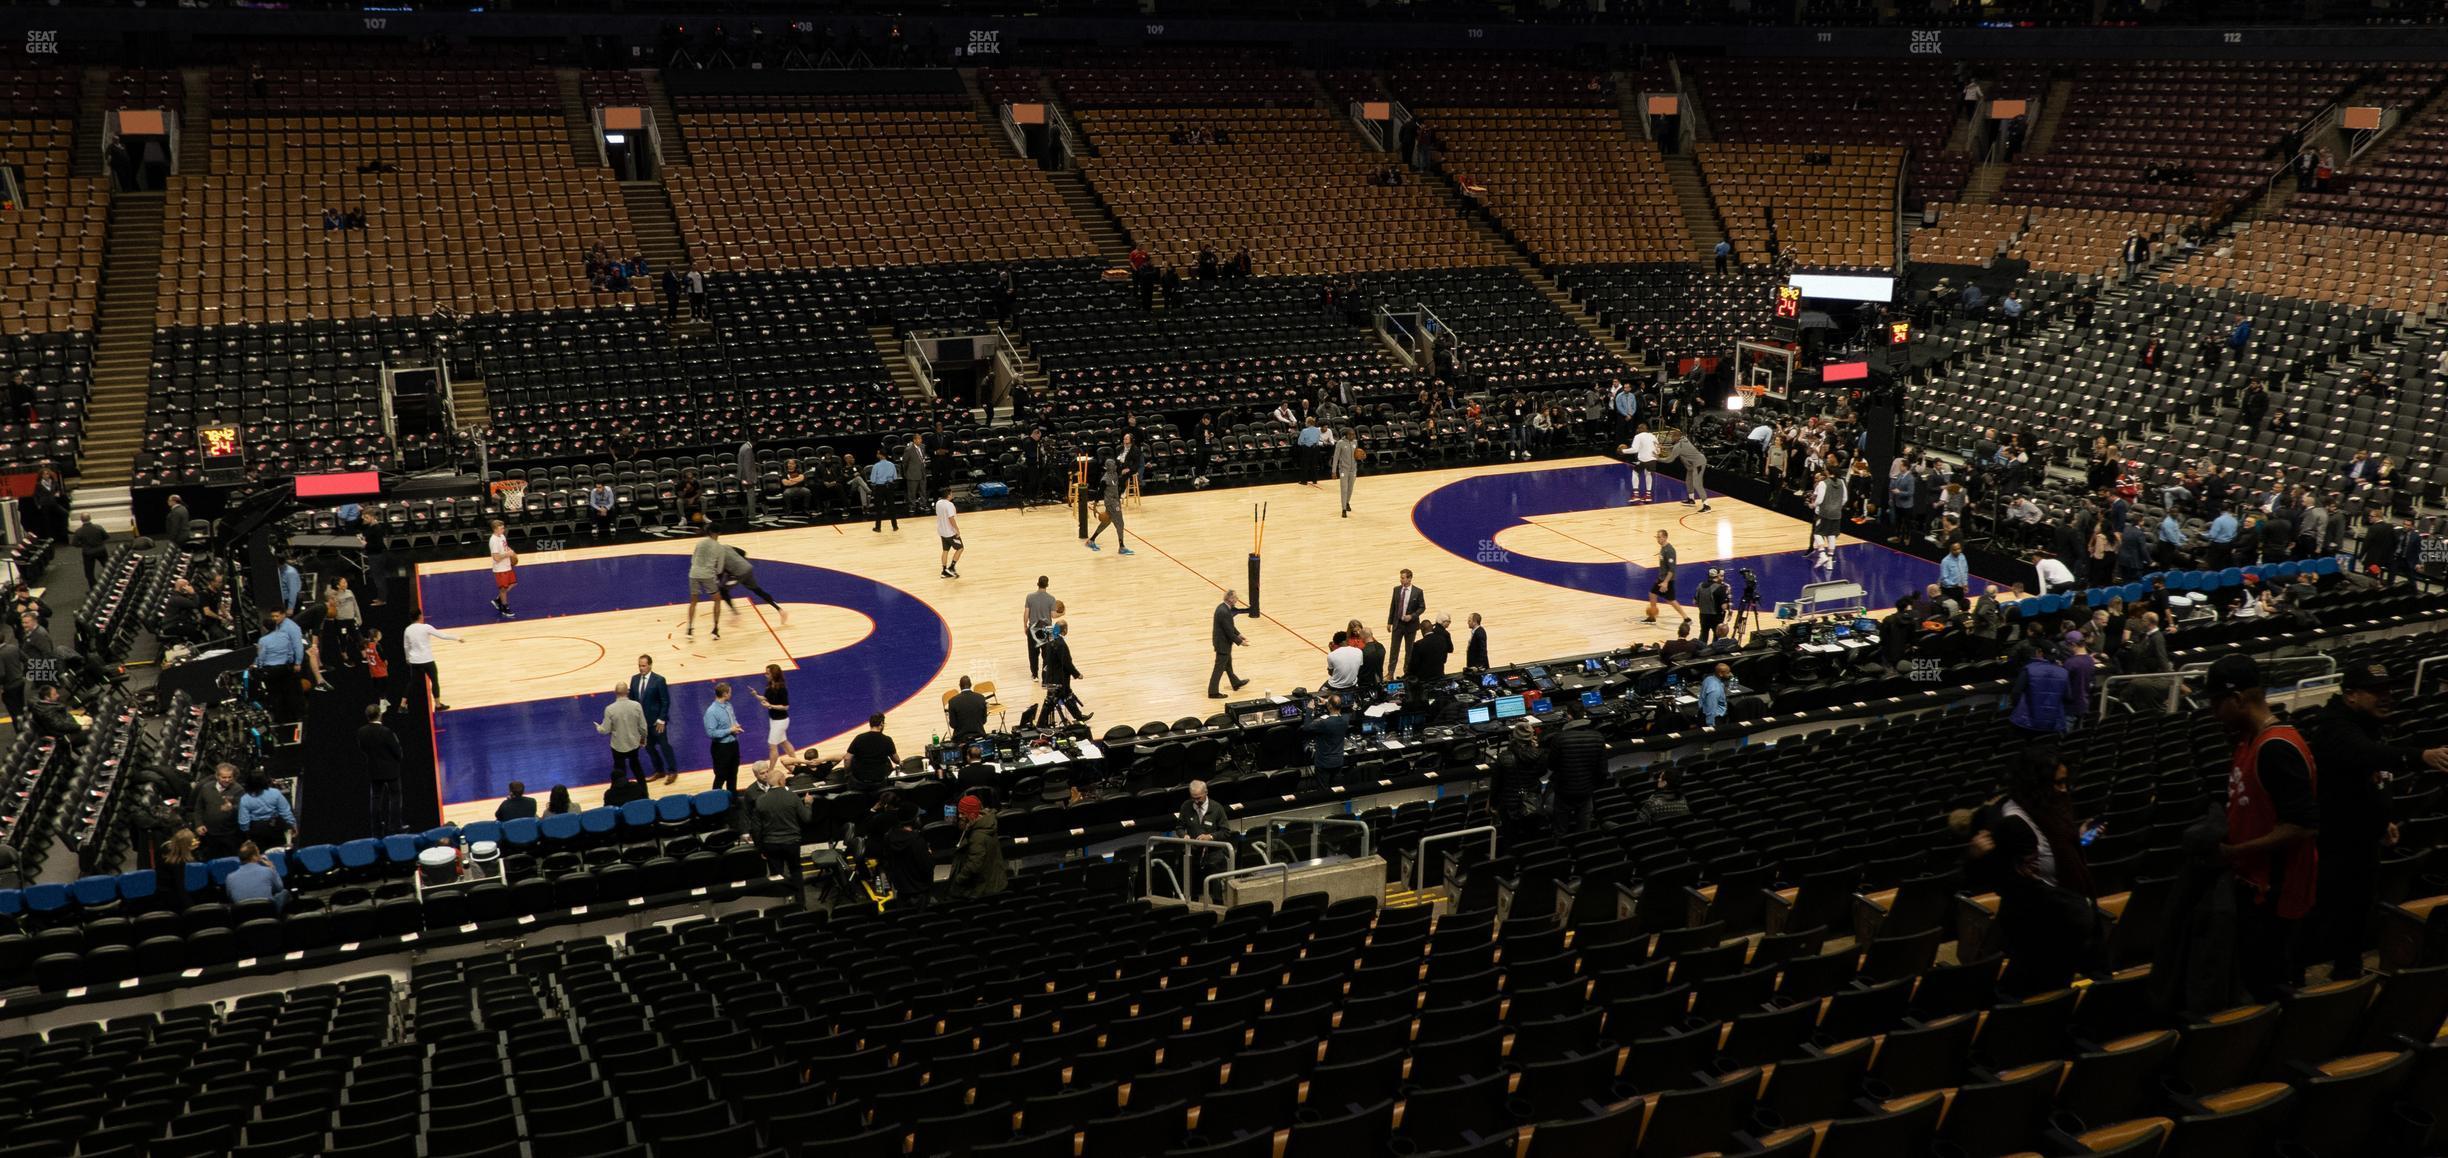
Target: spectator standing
(93, 544)
(625, 723)
(1713, 695)
(1326, 730)
(379, 747)
(2039, 697)
(1475, 654)
(2027, 848)
(1576, 765)
(214, 810)
(2349, 746)
(697, 294)
(263, 812)
(778, 819)
(653, 696)
(775, 699)
(978, 869)
(2273, 826)
(722, 738)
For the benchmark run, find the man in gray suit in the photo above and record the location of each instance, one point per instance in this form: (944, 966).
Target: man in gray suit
(750, 478)
(914, 472)
(1347, 463)
(1695, 468)
(1225, 637)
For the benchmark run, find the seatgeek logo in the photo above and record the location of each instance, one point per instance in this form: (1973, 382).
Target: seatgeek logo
(40, 42)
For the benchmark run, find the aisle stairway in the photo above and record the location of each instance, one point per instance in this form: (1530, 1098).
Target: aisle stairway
(1699, 211)
(667, 120)
(131, 279)
(905, 378)
(1104, 229)
(584, 152)
(1982, 187)
(1521, 263)
(658, 237)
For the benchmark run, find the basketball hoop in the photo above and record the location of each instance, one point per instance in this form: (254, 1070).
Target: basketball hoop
(1753, 391)
(510, 495)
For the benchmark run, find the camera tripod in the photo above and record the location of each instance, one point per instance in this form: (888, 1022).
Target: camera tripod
(1745, 610)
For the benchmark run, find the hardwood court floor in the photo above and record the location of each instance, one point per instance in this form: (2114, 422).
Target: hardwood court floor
(1548, 553)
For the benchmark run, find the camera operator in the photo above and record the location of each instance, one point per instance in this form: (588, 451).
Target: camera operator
(1714, 600)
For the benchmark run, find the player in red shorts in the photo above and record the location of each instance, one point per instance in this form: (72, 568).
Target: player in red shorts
(505, 568)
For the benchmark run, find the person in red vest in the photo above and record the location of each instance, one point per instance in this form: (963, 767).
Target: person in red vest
(2273, 822)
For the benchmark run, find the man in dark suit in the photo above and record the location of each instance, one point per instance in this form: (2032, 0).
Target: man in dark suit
(1403, 613)
(965, 712)
(1474, 656)
(380, 748)
(1225, 636)
(653, 696)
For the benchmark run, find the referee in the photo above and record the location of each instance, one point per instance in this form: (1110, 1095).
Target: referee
(278, 652)
(947, 529)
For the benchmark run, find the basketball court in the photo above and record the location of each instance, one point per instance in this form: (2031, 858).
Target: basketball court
(1548, 553)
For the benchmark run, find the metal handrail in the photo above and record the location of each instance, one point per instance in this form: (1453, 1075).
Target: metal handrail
(2424, 665)
(1368, 128)
(2175, 679)
(1147, 857)
(923, 366)
(1419, 856)
(1179, 889)
(1284, 869)
(1011, 128)
(1318, 824)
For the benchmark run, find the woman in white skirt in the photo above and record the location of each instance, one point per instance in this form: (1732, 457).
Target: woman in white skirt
(776, 701)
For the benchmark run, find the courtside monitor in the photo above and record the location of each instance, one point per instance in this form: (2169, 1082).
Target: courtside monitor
(1478, 714)
(1511, 707)
(1592, 666)
(1844, 287)
(1592, 697)
(1488, 680)
(1288, 712)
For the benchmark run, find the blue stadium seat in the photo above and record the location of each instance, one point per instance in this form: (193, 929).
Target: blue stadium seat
(2133, 591)
(521, 832)
(138, 886)
(482, 830)
(314, 859)
(401, 848)
(2325, 566)
(199, 876)
(96, 891)
(561, 827)
(2291, 568)
(674, 808)
(360, 854)
(2231, 577)
(638, 814)
(50, 898)
(447, 834)
(599, 821)
(713, 803)
(278, 858)
(12, 902)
